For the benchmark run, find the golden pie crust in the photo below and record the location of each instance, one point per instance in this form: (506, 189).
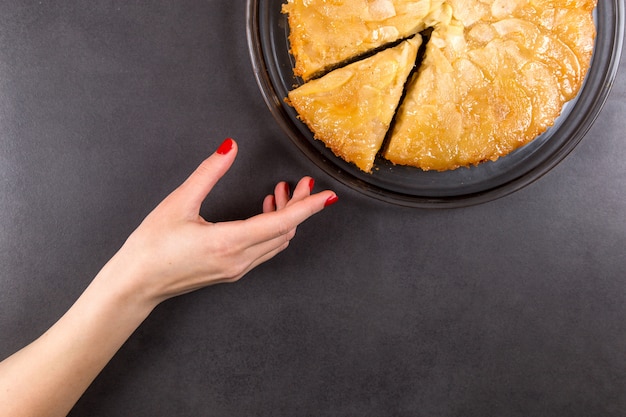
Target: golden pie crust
(495, 74)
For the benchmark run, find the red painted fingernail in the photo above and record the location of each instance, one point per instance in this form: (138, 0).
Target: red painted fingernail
(311, 184)
(331, 200)
(225, 147)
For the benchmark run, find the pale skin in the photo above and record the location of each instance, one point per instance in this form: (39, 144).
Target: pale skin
(173, 251)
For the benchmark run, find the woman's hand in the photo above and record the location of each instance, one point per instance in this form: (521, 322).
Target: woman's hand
(172, 252)
(175, 251)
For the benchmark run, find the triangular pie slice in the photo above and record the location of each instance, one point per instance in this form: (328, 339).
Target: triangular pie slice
(324, 34)
(351, 108)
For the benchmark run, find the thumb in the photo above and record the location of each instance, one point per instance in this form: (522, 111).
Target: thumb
(194, 190)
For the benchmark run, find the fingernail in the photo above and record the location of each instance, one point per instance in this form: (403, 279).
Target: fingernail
(225, 147)
(287, 190)
(331, 200)
(311, 184)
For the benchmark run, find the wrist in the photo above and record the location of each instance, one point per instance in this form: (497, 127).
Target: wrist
(119, 285)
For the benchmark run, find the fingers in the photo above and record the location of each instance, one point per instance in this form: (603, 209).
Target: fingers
(194, 190)
(273, 224)
(281, 194)
(269, 204)
(303, 189)
(267, 242)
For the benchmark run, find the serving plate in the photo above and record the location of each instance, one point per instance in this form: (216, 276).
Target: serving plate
(267, 32)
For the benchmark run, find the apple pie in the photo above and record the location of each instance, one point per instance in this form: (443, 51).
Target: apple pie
(493, 75)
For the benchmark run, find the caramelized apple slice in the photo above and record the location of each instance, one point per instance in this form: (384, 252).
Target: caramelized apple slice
(547, 49)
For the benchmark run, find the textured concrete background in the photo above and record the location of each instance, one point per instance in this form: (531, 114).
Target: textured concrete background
(511, 308)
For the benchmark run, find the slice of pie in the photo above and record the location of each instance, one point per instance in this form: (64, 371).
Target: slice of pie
(324, 34)
(491, 84)
(350, 109)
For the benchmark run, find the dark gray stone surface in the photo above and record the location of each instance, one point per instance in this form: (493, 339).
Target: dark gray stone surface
(512, 308)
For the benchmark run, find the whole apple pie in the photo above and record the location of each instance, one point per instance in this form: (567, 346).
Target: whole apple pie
(435, 84)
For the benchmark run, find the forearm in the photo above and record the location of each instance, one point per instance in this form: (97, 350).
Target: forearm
(47, 377)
